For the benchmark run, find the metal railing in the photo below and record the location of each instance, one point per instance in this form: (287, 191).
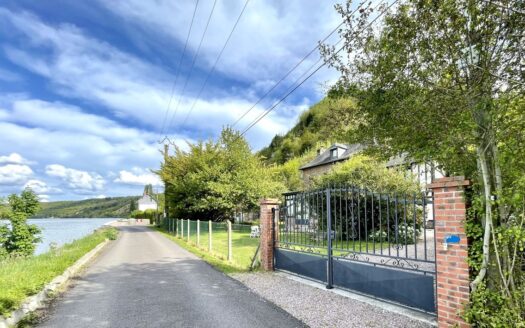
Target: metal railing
(351, 223)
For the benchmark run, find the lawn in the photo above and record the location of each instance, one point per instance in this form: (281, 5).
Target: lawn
(23, 277)
(243, 247)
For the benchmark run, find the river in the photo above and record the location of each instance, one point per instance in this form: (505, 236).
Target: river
(62, 231)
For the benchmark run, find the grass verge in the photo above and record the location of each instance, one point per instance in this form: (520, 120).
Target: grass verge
(214, 259)
(23, 277)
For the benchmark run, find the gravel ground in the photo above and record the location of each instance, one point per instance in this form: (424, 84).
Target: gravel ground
(320, 308)
(408, 253)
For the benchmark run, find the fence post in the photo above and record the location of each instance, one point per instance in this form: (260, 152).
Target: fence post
(267, 232)
(230, 251)
(451, 259)
(330, 261)
(188, 230)
(209, 235)
(198, 233)
(182, 228)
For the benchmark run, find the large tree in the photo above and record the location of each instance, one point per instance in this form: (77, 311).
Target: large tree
(212, 180)
(436, 79)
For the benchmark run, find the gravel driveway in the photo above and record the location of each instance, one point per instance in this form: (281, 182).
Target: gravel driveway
(321, 308)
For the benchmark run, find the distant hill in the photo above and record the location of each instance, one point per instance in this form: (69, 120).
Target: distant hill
(89, 208)
(330, 120)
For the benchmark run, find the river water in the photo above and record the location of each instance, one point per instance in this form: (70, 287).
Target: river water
(62, 231)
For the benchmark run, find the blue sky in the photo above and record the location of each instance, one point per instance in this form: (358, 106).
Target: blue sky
(85, 85)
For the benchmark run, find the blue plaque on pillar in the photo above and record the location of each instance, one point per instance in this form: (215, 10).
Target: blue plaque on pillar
(452, 239)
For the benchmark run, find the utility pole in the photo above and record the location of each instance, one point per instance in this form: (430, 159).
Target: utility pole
(166, 207)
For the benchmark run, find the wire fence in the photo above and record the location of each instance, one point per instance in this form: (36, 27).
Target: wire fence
(234, 243)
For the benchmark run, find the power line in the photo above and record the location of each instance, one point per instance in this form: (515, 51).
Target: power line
(310, 75)
(294, 67)
(216, 61)
(178, 71)
(192, 64)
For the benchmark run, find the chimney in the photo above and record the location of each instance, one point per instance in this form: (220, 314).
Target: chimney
(320, 151)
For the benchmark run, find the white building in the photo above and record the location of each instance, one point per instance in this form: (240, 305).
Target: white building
(147, 203)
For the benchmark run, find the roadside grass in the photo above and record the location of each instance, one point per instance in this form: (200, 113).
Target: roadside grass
(243, 246)
(23, 277)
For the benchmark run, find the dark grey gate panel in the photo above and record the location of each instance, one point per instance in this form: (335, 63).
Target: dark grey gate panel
(308, 265)
(409, 288)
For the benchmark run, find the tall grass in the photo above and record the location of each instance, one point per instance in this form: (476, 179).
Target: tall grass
(23, 277)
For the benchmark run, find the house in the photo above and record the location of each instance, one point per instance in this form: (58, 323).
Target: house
(146, 202)
(336, 153)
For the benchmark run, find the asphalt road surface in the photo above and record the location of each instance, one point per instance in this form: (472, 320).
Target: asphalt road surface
(145, 280)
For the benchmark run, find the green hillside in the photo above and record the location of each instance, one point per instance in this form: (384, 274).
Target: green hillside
(330, 120)
(89, 208)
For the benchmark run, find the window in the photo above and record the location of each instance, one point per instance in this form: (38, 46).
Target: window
(333, 153)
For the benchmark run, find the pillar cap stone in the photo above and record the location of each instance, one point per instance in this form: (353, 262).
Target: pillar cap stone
(269, 201)
(446, 182)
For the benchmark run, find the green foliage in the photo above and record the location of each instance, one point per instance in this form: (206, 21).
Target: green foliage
(330, 119)
(213, 179)
(489, 308)
(132, 205)
(110, 207)
(21, 238)
(111, 233)
(24, 276)
(148, 190)
(367, 173)
(137, 214)
(442, 80)
(289, 174)
(150, 214)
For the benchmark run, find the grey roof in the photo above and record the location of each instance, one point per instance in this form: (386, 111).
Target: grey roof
(349, 151)
(324, 158)
(398, 160)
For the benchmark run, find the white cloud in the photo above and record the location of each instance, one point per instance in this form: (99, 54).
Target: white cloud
(40, 187)
(76, 179)
(44, 198)
(13, 158)
(83, 67)
(14, 174)
(138, 176)
(270, 38)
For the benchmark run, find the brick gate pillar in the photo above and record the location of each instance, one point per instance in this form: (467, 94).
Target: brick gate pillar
(451, 259)
(267, 234)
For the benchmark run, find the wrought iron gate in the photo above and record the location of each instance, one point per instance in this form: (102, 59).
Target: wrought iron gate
(378, 244)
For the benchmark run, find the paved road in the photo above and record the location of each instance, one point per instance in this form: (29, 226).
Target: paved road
(145, 280)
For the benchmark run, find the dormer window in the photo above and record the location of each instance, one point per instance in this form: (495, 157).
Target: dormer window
(333, 153)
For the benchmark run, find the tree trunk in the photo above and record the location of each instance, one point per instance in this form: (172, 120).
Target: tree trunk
(482, 158)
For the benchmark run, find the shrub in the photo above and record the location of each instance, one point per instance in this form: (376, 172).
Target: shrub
(21, 238)
(378, 236)
(406, 234)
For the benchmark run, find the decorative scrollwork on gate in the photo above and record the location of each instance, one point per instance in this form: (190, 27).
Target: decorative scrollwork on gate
(400, 262)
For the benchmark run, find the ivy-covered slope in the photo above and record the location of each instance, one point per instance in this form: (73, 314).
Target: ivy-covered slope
(330, 120)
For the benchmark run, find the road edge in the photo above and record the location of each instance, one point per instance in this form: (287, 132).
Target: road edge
(38, 300)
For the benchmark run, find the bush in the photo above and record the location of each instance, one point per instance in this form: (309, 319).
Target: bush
(137, 214)
(21, 238)
(378, 236)
(406, 234)
(111, 233)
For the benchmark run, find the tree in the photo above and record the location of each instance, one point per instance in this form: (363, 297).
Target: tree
(21, 238)
(148, 190)
(433, 81)
(213, 179)
(132, 206)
